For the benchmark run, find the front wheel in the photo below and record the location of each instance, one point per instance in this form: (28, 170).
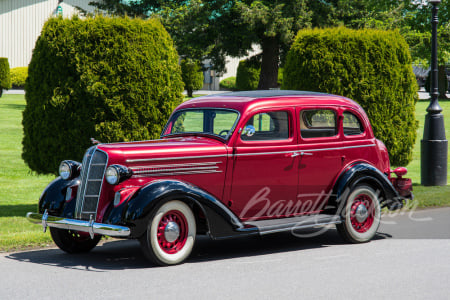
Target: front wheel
(72, 241)
(361, 215)
(170, 234)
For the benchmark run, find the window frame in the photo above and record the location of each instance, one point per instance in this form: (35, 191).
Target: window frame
(337, 115)
(358, 118)
(291, 125)
(191, 133)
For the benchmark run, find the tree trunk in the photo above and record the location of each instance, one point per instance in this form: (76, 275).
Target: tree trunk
(269, 66)
(443, 82)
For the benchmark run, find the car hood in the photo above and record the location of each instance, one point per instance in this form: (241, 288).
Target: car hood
(182, 148)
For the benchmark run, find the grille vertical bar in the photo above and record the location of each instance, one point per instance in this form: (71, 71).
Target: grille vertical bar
(92, 174)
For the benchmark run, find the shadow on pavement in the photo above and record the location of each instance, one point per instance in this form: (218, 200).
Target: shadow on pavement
(126, 254)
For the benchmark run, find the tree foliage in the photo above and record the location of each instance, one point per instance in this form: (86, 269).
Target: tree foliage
(5, 77)
(372, 67)
(247, 75)
(192, 75)
(114, 79)
(215, 28)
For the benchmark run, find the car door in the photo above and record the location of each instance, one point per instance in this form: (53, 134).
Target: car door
(321, 157)
(265, 173)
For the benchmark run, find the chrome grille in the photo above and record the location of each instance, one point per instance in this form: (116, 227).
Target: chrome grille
(92, 174)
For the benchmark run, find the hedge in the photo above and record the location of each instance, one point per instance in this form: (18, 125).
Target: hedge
(372, 67)
(18, 77)
(228, 83)
(192, 75)
(5, 77)
(247, 75)
(114, 79)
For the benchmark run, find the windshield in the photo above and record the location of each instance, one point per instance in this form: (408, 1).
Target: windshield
(219, 122)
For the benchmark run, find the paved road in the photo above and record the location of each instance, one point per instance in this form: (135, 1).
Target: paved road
(409, 259)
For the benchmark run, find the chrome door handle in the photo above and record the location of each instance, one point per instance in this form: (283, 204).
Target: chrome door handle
(295, 154)
(305, 153)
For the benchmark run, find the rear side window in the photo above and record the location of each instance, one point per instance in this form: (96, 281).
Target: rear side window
(267, 126)
(315, 123)
(352, 124)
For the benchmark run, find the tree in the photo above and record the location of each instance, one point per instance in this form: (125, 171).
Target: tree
(192, 75)
(212, 29)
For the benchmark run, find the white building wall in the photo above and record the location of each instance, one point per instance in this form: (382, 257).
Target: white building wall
(21, 22)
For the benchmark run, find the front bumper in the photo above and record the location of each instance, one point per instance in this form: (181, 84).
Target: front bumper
(79, 225)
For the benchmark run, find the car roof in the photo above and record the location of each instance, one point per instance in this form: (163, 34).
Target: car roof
(250, 100)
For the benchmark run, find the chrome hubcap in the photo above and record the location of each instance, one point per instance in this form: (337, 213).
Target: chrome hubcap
(171, 232)
(361, 213)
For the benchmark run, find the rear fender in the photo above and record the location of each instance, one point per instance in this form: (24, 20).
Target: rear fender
(359, 173)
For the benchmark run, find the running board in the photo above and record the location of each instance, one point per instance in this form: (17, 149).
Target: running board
(287, 224)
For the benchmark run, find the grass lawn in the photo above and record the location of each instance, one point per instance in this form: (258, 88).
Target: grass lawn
(20, 188)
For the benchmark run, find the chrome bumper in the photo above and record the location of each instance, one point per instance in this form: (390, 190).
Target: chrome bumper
(79, 225)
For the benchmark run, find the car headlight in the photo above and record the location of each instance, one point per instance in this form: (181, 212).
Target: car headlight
(116, 173)
(69, 169)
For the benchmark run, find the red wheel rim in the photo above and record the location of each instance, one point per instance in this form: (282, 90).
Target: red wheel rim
(362, 201)
(174, 246)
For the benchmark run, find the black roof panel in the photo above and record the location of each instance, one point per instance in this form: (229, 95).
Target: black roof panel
(269, 93)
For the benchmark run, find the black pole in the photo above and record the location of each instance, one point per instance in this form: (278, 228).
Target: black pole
(434, 146)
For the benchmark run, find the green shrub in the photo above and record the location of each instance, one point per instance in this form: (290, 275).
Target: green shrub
(192, 75)
(18, 77)
(228, 83)
(372, 67)
(5, 77)
(247, 75)
(280, 77)
(114, 79)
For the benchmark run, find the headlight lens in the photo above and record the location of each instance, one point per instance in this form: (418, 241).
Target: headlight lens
(117, 173)
(65, 171)
(69, 169)
(112, 175)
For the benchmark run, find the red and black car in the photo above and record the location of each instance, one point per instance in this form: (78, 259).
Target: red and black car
(229, 165)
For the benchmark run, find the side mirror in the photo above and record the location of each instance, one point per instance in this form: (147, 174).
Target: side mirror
(249, 130)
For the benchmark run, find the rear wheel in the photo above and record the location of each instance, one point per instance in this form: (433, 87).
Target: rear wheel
(72, 241)
(361, 215)
(170, 234)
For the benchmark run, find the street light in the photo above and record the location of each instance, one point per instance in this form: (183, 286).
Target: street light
(434, 144)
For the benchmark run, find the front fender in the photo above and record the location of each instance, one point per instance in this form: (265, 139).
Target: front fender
(136, 212)
(365, 173)
(53, 198)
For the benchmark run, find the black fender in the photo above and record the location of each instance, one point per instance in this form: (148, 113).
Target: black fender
(53, 198)
(360, 172)
(135, 213)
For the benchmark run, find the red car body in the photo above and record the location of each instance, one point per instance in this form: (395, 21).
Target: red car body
(309, 153)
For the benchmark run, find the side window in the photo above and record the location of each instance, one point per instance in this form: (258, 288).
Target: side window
(267, 126)
(316, 123)
(352, 125)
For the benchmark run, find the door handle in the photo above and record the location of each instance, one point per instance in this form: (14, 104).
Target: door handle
(295, 154)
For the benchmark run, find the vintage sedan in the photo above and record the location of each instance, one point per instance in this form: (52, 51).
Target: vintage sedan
(229, 165)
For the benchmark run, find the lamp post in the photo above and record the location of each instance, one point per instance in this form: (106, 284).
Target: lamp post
(434, 144)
